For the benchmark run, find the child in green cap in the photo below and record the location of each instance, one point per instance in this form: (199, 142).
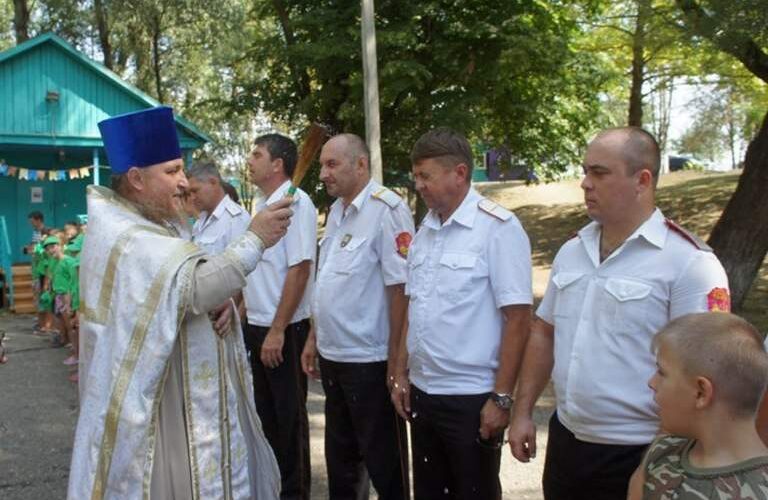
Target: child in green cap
(63, 279)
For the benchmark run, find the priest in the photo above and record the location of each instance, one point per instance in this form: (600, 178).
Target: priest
(166, 403)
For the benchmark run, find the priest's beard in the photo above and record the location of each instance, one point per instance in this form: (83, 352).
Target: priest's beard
(163, 213)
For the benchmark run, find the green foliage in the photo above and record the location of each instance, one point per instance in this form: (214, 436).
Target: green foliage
(502, 72)
(7, 38)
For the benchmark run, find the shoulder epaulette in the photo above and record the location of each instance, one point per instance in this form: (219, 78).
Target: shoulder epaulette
(387, 196)
(234, 209)
(688, 236)
(494, 209)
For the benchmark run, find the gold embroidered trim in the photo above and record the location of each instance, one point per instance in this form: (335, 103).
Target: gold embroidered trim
(101, 313)
(127, 367)
(226, 466)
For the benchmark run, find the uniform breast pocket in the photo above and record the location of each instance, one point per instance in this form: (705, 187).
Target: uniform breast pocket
(458, 274)
(351, 255)
(570, 297)
(625, 304)
(210, 242)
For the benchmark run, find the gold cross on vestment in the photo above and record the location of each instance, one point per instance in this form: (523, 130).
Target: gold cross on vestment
(204, 375)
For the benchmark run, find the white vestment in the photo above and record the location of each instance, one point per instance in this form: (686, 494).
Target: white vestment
(166, 409)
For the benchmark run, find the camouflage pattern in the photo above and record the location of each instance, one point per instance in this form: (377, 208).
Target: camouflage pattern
(669, 475)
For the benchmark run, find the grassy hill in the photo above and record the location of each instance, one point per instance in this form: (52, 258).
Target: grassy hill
(551, 213)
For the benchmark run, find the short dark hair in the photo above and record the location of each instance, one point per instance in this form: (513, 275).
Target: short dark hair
(444, 145)
(280, 146)
(37, 215)
(641, 150)
(231, 192)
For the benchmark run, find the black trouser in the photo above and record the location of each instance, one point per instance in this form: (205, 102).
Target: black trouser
(448, 460)
(281, 401)
(364, 437)
(577, 470)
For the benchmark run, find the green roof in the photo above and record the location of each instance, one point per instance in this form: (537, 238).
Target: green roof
(53, 95)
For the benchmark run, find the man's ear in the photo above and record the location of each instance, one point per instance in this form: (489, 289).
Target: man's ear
(362, 162)
(135, 179)
(461, 170)
(278, 165)
(644, 180)
(705, 393)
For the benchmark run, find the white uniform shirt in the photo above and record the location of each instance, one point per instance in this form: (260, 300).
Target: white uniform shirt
(226, 223)
(364, 251)
(460, 273)
(265, 283)
(605, 316)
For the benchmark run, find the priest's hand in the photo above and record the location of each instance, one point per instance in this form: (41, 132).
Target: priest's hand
(221, 317)
(272, 223)
(272, 348)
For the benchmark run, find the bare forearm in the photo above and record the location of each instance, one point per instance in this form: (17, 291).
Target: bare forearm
(401, 360)
(293, 290)
(398, 305)
(538, 362)
(514, 337)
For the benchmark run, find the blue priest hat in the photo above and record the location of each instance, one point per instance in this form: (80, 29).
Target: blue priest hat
(140, 139)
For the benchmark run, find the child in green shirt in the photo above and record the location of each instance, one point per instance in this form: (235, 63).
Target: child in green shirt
(63, 279)
(712, 374)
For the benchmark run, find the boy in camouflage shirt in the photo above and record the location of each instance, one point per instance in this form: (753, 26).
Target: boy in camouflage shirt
(712, 373)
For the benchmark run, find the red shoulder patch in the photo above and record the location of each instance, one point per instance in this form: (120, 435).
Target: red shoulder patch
(403, 242)
(719, 300)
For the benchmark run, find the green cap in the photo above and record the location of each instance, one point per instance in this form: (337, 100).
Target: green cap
(51, 240)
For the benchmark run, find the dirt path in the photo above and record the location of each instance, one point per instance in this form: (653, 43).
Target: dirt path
(38, 412)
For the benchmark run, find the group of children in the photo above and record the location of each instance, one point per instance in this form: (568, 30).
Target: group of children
(55, 274)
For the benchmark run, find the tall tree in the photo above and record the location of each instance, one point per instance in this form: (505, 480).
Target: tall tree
(643, 13)
(740, 237)
(506, 74)
(21, 20)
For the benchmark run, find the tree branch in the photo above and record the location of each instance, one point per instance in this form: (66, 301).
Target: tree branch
(731, 42)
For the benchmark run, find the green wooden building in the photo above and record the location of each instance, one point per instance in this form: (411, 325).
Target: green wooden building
(51, 100)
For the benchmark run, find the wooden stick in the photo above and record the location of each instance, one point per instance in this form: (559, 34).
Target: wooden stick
(314, 139)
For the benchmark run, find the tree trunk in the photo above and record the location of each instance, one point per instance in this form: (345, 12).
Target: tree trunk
(635, 118)
(156, 64)
(21, 20)
(103, 27)
(740, 237)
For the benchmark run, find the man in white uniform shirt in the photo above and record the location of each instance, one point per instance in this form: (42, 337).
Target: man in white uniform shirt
(221, 220)
(612, 287)
(277, 302)
(358, 312)
(470, 294)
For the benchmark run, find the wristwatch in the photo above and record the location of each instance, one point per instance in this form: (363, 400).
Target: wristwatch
(503, 401)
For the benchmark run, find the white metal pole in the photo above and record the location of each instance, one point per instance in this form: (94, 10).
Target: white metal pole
(371, 86)
(96, 171)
